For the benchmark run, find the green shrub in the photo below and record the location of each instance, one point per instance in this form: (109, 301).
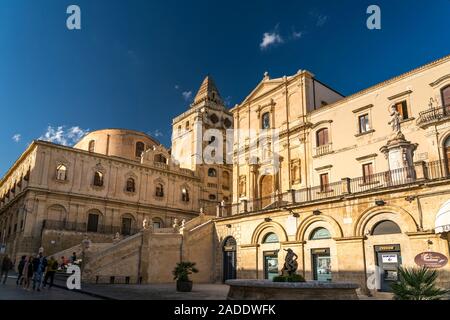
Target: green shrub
(279, 279)
(295, 278)
(291, 278)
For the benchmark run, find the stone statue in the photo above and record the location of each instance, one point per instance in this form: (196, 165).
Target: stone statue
(290, 262)
(183, 222)
(395, 120)
(116, 237)
(201, 211)
(145, 224)
(175, 223)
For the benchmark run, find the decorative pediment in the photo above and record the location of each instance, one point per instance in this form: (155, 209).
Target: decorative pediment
(262, 88)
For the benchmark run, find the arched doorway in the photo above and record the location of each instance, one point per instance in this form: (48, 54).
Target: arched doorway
(229, 259)
(266, 190)
(388, 257)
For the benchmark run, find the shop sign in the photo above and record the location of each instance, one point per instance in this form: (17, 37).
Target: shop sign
(389, 258)
(431, 259)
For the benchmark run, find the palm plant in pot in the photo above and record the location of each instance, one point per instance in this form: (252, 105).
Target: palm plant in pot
(181, 274)
(417, 284)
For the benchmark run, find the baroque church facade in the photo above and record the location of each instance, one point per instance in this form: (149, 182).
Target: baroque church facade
(356, 186)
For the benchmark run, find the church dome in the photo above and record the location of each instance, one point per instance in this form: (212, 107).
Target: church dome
(123, 143)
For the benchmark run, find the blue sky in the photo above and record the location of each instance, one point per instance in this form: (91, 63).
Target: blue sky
(136, 64)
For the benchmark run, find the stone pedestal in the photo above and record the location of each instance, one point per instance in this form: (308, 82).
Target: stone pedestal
(400, 153)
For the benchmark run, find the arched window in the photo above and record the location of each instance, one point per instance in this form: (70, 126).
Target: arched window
(270, 238)
(98, 179)
(322, 138)
(140, 148)
(131, 185)
(160, 158)
(265, 122)
(92, 225)
(212, 197)
(386, 227)
(159, 190)
(212, 172)
(184, 195)
(226, 180)
(446, 97)
(61, 173)
(320, 233)
(91, 146)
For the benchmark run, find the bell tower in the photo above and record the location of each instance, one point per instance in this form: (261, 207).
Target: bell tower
(199, 140)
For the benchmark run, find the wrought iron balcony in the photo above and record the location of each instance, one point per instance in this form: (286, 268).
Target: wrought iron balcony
(433, 115)
(419, 173)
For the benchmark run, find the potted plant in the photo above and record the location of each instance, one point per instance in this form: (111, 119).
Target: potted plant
(417, 284)
(181, 274)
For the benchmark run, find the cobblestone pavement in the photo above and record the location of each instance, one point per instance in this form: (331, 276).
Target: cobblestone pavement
(10, 291)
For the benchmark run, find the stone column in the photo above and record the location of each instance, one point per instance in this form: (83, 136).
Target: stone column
(351, 259)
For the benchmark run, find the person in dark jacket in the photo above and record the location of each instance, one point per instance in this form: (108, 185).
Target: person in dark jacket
(6, 266)
(20, 268)
(39, 265)
(52, 267)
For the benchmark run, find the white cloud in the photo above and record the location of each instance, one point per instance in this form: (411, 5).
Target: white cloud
(297, 35)
(17, 137)
(64, 136)
(157, 133)
(187, 95)
(270, 39)
(321, 20)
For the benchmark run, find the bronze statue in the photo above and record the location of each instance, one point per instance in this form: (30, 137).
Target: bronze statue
(290, 262)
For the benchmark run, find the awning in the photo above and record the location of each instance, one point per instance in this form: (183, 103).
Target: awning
(442, 223)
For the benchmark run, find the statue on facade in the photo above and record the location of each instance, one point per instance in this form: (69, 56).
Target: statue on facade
(395, 120)
(290, 262)
(116, 237)
(145, 224)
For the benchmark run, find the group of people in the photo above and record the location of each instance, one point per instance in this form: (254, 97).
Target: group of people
(36, 270)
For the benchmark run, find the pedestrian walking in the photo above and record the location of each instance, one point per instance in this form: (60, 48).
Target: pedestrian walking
(20, 269)
(28, 273)
(52, 266)
(39, 265)
(6, 266)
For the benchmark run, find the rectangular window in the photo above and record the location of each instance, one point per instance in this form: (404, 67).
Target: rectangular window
(126, 226)
(364, 123)
(367, 172)
(402, 108)
(92, 223)
(324, 182)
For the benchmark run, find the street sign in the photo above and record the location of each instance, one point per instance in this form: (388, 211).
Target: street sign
(431, 259)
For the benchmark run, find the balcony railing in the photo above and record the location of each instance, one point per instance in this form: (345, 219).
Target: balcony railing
(323, 150)
(419, 173)
(433, 115)
(82, 227)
